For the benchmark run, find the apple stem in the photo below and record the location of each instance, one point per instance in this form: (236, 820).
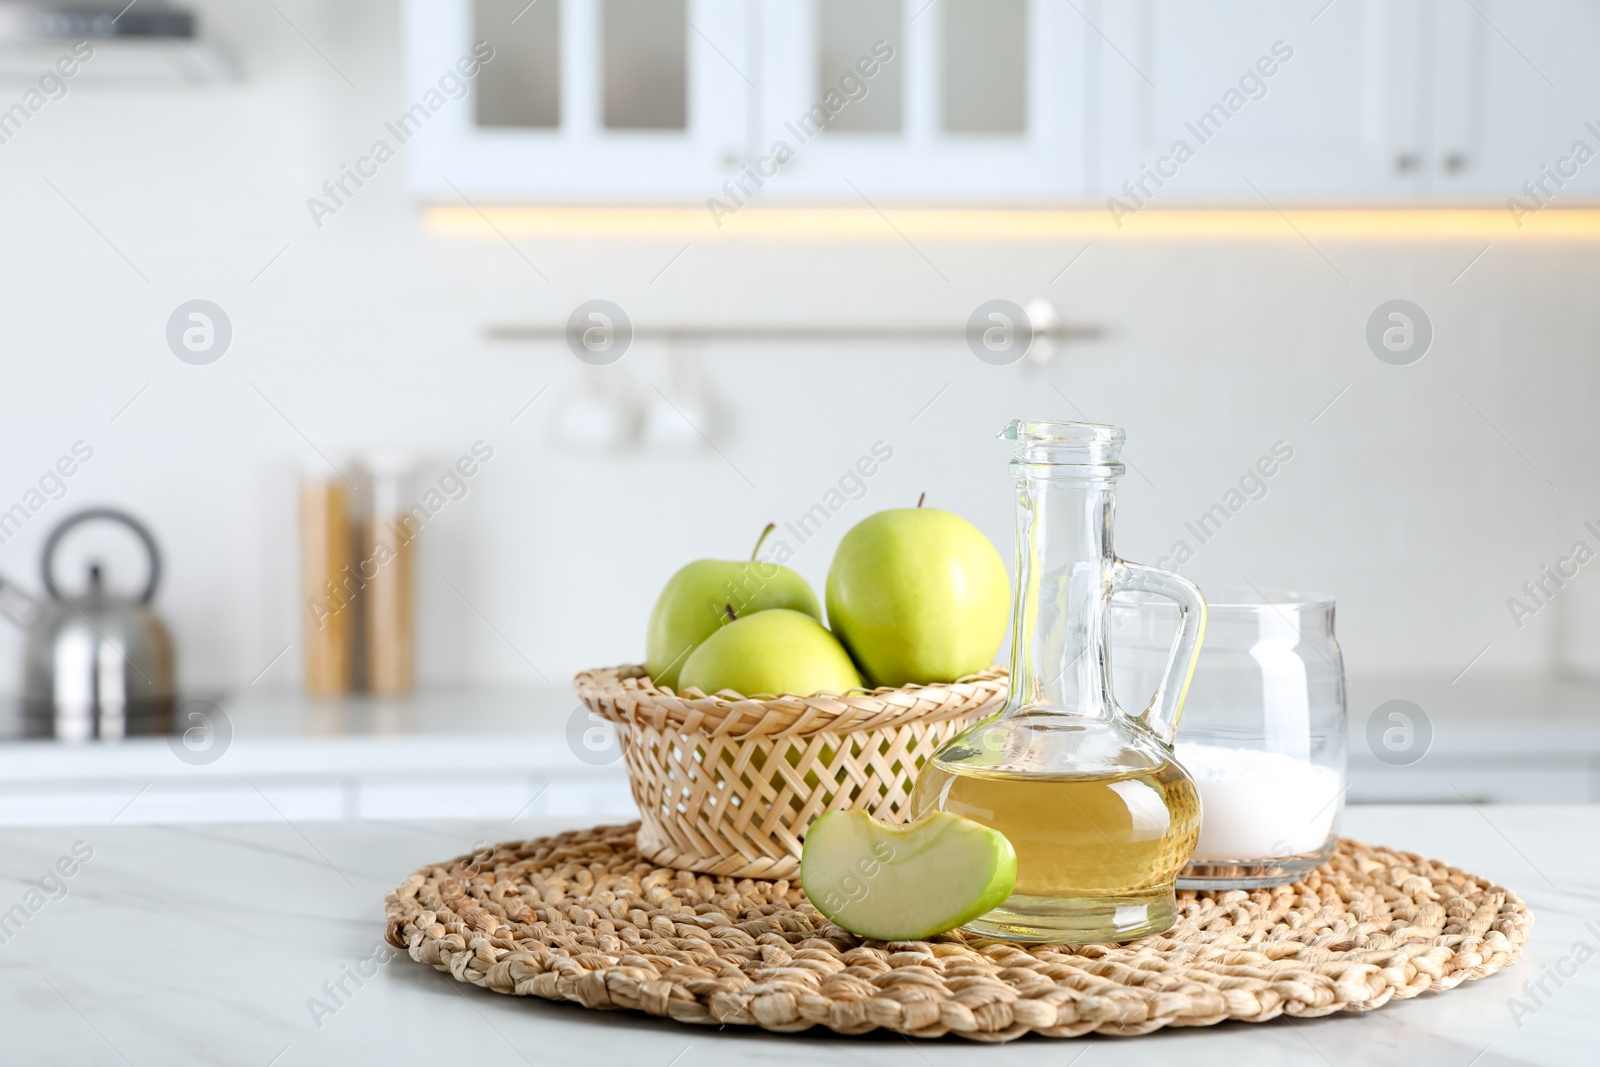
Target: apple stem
(921, 498)
(728, 610)
(770, 527)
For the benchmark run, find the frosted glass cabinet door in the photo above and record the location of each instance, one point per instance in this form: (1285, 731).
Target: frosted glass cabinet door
(1518, 86)
(582, 99)
(1231, 101)
(950, 101)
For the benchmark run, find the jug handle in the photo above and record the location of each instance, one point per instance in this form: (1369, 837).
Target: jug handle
(1161, 716)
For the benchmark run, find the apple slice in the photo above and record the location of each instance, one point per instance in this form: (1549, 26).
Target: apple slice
(905, 883)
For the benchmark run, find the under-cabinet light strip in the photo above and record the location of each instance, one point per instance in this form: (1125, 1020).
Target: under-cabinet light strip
(1580, 224)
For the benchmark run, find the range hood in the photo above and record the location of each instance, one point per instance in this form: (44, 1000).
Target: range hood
(141, 42)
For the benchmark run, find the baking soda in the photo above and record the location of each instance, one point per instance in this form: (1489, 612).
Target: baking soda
(1257, 805)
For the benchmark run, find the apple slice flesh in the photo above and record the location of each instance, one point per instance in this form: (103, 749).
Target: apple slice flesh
(905, 883)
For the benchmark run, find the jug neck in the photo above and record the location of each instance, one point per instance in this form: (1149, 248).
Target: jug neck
(1066, 475)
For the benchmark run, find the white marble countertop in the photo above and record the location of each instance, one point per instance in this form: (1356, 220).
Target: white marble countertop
(204, 944)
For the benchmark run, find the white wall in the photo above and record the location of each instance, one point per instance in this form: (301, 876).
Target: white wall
(1401, 500)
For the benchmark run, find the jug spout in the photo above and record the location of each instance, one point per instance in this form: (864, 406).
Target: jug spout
(1066, 444)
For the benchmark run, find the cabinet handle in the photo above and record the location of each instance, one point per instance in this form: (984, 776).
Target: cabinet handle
(1455, 162)
(1405, 162)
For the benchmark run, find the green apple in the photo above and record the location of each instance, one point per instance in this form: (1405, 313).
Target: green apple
(918, 595)
(905, 883)
(770, 653)
(697, 601)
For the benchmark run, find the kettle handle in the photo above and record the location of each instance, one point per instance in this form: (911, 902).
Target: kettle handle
(47, 561)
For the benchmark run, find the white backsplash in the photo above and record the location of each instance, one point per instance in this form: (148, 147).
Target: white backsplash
(1422, 498)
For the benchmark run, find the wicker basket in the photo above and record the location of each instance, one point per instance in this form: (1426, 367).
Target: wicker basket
(727, 785)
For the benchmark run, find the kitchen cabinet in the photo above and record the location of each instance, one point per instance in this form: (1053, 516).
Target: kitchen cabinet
(1549, 779)
(429, 780)
(509, 754)
(579, 99)
(1409, 101)
(1246, 101)
(1515, 91)
(1121, 103)
(168, 795)
(435, 754)
(970, 100)
(722, 102)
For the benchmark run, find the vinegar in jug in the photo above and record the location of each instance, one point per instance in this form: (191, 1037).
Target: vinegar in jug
(1092, 850)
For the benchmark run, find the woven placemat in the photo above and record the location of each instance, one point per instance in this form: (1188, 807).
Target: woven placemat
(581, 917)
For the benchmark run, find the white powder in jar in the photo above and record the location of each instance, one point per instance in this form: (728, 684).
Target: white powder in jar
(1257, 805)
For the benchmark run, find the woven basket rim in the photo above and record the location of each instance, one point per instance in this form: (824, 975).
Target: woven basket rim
(625, 694)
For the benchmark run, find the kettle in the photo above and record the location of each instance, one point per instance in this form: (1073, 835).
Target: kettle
(95, 665)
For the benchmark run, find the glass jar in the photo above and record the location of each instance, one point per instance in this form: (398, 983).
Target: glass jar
(1263, 730)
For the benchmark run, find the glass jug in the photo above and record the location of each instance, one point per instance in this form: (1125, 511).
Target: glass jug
(1101, 815)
